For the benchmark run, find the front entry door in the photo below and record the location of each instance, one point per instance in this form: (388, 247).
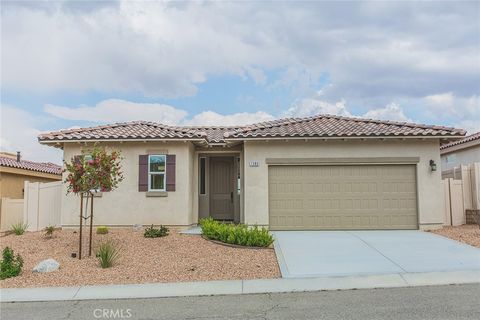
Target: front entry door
(221, 188)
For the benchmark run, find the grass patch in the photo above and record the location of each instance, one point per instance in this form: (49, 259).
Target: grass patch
(238, 234)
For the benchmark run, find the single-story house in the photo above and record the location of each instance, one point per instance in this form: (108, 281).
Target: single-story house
(14, 171)
(461, 152)
(316, 173)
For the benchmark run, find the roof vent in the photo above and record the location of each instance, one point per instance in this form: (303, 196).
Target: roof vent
(18, 156)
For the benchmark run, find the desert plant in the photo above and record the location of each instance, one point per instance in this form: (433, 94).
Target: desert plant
(49, 231)
(102, 230)
(107, 254)
(19, 228)
(11, 265)
(152, 232)
(238, 234)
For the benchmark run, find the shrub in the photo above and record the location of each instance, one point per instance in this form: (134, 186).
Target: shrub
(151, 232)
(102, 230)
(107, 254)
(19, 228)
(238, 234)
(49, 231)
(11, 265)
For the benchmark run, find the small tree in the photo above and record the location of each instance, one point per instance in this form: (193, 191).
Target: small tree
(94, 170)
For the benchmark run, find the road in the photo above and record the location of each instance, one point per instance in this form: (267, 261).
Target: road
(441, 302)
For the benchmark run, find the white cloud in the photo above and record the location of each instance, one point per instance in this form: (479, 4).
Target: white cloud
(210, 118)
(312, 106)
(471, 126)
(392, 111)
(115, 110)
(19, 133)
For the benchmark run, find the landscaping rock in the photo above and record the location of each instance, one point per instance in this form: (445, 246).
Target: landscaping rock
(48, 265)
(137, 227)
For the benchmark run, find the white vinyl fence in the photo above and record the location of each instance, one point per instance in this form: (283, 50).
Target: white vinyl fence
(462, 194)
(42, 205)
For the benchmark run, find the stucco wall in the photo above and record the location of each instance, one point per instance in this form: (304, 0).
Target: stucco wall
(11, 184)
(126, 205)
(430, 196)
(457, 158)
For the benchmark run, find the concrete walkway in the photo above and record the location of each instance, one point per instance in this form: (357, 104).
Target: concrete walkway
(159, 290)
(356, 253)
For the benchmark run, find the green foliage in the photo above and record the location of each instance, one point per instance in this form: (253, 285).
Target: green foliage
(19, 228)
(49, 231)
(107, 254)
(94, 169)
(151, 232)
(11, 265)
(238, 234)
(102, 230)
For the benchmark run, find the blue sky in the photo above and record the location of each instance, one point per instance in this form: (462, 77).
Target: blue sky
(85, 63)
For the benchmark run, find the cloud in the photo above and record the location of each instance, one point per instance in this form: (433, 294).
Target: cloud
(19, 133)
(210, 118)
(372, 51)
(392, 111)
(312, 106)
(116, 110)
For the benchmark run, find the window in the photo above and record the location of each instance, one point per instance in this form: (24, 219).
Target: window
(156, 172)
(203, 181)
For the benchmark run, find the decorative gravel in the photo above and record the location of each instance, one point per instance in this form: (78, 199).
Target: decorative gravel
(468, 233)
(176, 257)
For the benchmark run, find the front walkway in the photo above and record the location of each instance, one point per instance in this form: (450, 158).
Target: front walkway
(353, 253)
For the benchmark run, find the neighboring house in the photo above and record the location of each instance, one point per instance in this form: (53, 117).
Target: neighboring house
(316, 173)
(460, 152)
(14, 172)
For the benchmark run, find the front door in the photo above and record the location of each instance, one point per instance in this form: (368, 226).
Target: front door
(221, 188)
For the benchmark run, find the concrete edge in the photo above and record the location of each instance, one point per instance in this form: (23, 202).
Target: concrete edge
(229, 287)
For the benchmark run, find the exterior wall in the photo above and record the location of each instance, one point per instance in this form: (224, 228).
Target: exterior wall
(11, 184)
(126, 205)
(459, 157)
(429, 187)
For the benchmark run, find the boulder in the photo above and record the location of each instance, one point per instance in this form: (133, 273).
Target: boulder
(48, 265)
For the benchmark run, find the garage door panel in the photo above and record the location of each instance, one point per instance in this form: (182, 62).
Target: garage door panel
(342, 197)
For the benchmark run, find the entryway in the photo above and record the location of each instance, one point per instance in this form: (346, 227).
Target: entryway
(219, 179)
(352, 253)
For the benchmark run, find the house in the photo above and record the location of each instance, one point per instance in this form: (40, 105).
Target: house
(14, 172)
(460, 152)
(316, 173)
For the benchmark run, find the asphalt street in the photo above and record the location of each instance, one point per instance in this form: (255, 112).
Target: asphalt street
(439, 302)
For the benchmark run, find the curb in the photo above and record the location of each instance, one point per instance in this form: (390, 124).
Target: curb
(230, 287)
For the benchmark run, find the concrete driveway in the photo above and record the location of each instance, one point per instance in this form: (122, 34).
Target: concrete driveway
(349, 253)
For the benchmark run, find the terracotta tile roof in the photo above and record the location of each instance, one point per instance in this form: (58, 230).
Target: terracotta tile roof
(318, 126)
(337, 126)
(45, 167)
(472, 137)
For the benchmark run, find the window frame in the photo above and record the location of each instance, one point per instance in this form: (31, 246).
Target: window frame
(164, 173)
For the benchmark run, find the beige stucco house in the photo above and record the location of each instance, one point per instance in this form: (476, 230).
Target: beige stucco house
(461, 152)
(317, 173)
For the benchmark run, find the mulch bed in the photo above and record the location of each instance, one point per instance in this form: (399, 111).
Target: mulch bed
(468, 233)
(176, 257)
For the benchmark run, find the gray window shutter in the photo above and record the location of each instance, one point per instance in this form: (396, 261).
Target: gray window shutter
(143, 172)
(171, 172)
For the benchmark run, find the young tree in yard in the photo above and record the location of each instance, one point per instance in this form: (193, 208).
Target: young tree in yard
(92, 171)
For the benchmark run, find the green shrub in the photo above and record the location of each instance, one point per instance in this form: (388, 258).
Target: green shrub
(19, 228)
(107, 254)
(238, 234)
(151, 232)
(11, 265)
(49, 231)
(102, 230)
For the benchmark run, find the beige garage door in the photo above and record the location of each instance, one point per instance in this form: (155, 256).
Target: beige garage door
(342, 197)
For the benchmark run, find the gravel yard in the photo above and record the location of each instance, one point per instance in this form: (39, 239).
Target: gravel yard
(468, 233)
(176, 257)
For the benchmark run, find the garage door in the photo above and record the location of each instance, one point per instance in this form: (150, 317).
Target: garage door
(342, 197)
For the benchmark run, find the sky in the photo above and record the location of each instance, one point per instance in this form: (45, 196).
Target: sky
(85, 63)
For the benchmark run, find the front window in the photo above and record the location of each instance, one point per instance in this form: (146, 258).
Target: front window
(156, 172)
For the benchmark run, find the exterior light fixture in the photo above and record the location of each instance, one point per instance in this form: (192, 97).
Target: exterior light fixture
(433, 165)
